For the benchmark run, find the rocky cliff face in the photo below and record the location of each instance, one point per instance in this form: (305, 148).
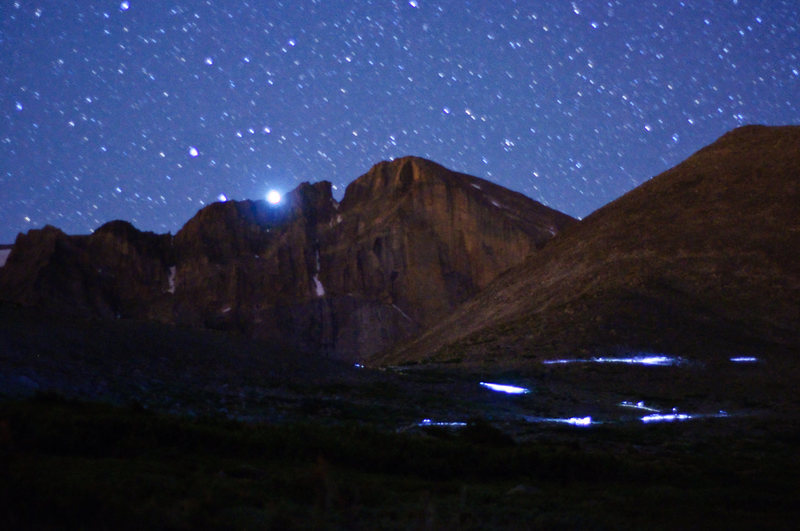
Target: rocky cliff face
(115, 270)
(419, 240)
(410, 241)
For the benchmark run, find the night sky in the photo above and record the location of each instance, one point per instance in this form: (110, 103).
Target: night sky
(146, 110)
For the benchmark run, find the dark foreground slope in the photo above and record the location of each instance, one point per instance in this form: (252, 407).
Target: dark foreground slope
(84, 466)
(324, 445)
(703, 259)
(409, 242)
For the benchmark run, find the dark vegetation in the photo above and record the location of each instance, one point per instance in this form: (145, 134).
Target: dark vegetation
(70, 465)
(125, 424)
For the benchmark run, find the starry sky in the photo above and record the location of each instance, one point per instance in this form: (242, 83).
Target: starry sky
(147, 110)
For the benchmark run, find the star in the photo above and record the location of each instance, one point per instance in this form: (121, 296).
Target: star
(570, 103)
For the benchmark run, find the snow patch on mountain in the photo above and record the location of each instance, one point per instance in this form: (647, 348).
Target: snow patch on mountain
(173, 273)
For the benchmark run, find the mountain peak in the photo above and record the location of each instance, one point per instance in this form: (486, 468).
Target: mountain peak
(415, 182)
(753, 132)
(394, 178)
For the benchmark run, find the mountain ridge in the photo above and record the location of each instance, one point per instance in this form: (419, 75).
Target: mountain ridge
(419, 263)
(409, 241)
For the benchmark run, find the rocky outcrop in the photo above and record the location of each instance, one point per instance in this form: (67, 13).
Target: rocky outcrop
(443, 237)
(703, 259)
(410, 241)
(113, 272)
(418, 240)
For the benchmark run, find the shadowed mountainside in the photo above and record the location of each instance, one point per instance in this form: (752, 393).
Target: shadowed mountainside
(702, 259)
(409, 242)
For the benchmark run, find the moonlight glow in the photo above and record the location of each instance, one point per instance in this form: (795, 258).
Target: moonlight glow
(274, 197)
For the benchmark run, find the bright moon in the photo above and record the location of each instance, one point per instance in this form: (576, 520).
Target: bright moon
(274, 197)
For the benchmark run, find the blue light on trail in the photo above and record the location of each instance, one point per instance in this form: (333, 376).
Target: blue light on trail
(654, 360)
(581, 422)
(429, 422)
(639, 405)
(508, 389)
(578, 421)
(672, 417)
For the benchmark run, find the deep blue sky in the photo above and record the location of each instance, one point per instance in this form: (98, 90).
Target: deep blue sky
(146, 110)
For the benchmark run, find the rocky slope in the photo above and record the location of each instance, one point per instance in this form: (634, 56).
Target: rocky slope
(702, 259)
(409, 242)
